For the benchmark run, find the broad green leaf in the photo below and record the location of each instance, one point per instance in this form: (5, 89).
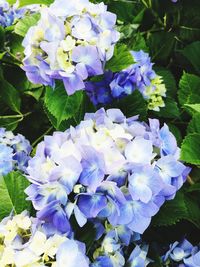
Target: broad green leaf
(161, 45)
(25, 23)
(182, 207)
(12, 196)
(10, 95)
(63, 125)
(2, 37)
(15, 44)
(17, 77)
(123, 9)
(170, 110)
(192, 53)
(31, 2)
(190, 149)
(194, 125)
(9, 123)
(193, 107)
(11, 2)
(171, 212)
(194, 187)
(189, 88)
(121, 59)
(126, 32)
(193, 210)
(168, 80)
(36, 93)
(60, 105)
(138, 43)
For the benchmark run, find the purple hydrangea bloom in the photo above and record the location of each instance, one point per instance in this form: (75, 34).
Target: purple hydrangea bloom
(14, 152)
(9, 14)
(113, 251)
(109, 169)
(139, 76)
(194, 260)
(71, 253)
(183, 254)
(25, 241)
(138, 257)
(179, 251)
(71, 42)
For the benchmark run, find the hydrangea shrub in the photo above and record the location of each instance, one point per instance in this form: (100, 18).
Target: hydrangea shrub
(106, 183)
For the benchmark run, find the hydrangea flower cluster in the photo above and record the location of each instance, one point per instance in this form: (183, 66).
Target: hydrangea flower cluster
(112, 251)
(14, 152)
(139, 76)
(109, 168)
(71, 42)
(10, 13)
(182, 254)
(25, 242)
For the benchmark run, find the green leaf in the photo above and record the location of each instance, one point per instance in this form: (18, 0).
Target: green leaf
(60, 105)
(192, 53)
(31, 2)
(194, 187)
(63, 125)
(170, 110)
(193, 210)
(25, 23)
(35, 93)
(161, 45)
(121, 59)
(182, 207)
(10, 95)
(189, 88)
(190, 149)
(171, 212)
(15, 44)
(193, 107)
(168, 80)
(123, 9)
(12, 196)
(2, 38)
(138, 43)
(194, 125)
(9, 123)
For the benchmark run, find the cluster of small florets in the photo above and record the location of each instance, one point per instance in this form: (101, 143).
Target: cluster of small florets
(139, 76)
(109, 168)
(14, 152)
(25, 242)
(182, 254)
(71, 42)
(9, 14)
(112, 250)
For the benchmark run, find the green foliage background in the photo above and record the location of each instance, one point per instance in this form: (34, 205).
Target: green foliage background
(171, 34)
